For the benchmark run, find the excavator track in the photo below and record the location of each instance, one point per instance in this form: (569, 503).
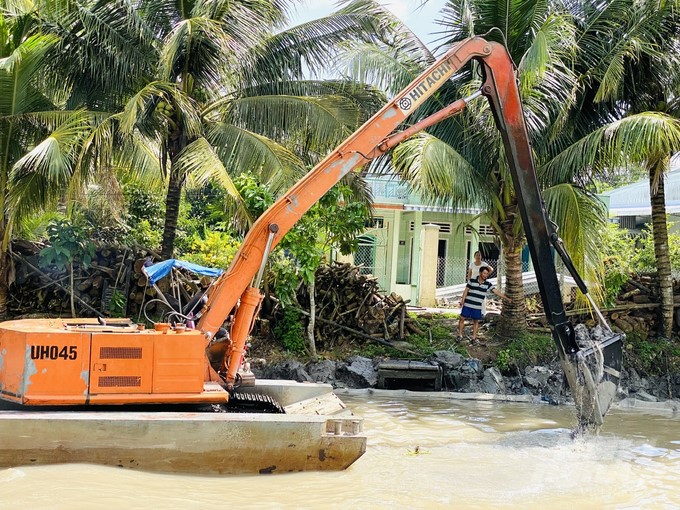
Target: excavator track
(241, 402)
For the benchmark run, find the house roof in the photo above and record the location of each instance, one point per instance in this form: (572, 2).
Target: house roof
(388, 190)
(633, 199)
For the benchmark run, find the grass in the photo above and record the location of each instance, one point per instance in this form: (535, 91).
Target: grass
(529, 349)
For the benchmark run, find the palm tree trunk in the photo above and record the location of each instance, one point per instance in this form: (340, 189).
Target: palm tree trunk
(660, 232)
(176, 142)
(172, 202)
(513, 320)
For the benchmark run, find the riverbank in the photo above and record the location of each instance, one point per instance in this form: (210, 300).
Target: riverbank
(466, 375)
(526, 366)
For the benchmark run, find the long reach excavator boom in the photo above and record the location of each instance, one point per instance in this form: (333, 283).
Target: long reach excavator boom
(592, 373)
(54, 362)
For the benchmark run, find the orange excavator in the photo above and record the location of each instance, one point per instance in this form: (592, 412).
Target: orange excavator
(56, 362)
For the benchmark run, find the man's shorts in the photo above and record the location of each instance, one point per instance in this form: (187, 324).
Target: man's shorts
(471, 313)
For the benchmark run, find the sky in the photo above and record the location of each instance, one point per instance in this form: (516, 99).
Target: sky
(420, 19)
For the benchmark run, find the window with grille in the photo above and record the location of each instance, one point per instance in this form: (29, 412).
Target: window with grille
(377, 222)
(364, 256)
(444, 228)
(627, 222)
(482, 230)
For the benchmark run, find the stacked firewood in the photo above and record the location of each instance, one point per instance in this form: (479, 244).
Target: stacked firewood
(47, 290)
(349, 305)
(635, 310)
(114, 284)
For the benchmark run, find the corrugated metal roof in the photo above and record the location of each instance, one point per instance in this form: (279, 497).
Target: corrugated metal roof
(633, 199)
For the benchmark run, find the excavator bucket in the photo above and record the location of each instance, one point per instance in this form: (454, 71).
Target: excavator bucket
(593, 374)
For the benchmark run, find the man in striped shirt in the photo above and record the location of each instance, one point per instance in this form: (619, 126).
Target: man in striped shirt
(473, 301)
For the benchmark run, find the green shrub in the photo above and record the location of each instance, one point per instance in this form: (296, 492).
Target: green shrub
(651, 357)
(624, 254)
(618, 250)
(69, 243)
(117, 304)
(212, 249)
(144, 234)
(505, 361)
(290, 331)
(529, 349)
(283, 277)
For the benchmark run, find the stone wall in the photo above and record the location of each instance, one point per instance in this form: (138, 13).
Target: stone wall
(466, 375)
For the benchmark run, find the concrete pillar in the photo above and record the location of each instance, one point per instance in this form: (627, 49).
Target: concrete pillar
(394, 243)
(428, 265)
(415, 256)
(344, 259)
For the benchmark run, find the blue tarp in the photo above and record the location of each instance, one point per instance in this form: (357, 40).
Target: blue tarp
(161, 269)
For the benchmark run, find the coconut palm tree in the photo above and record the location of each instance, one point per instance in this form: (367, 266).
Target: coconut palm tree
(207, 89)
(164, 89)
(559, 52)
(50, 93)
(226, 94)
(637, 70)
(460, 162)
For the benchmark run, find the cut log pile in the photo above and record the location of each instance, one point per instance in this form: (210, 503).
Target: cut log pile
(349, 304)
(636, 307)
(635, 310)
(113, 284)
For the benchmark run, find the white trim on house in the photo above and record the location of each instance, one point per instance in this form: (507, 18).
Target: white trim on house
(444, 228)
(635, 210)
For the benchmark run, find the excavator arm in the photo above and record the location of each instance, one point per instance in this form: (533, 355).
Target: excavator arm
(235, 289)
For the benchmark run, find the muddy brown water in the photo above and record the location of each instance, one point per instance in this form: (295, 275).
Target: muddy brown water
(423, 452)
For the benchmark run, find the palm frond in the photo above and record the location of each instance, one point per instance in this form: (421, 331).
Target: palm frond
(437, 172)
(199, 160)
(633, 139)
(615, 35)
(386, 68)
(581, 220)
(40, 176)
(195, 50)
(141, 105)
(310, 47)
(552, 51)
(241, 151)
(367, 99)
(361, 190)
(18, 73)
(324, 121)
